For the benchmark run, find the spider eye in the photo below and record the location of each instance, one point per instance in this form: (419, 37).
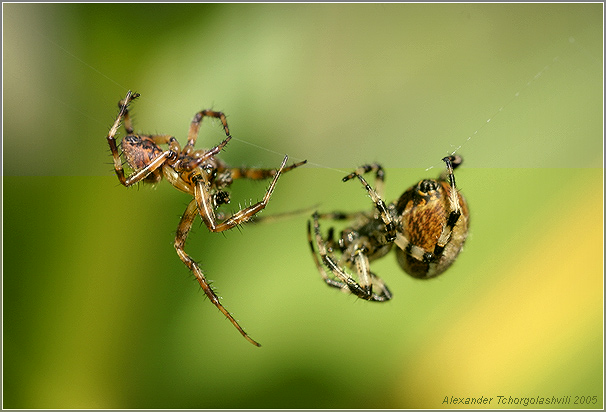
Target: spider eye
(132, 139)
(221, 198)
(427, 185)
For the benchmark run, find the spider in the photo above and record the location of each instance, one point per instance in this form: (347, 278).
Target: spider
(198, 173)
(428, 224)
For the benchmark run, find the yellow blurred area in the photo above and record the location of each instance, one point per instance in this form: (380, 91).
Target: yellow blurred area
(511, 337)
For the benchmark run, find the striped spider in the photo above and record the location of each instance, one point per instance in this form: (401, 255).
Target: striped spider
(198, 173)
(428, 224)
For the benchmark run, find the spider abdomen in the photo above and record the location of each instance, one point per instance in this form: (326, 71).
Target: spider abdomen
(424, 212)
(139, 151)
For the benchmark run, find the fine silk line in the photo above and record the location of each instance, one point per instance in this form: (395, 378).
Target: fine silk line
(509, 102)
(469, 138)
(125, 89)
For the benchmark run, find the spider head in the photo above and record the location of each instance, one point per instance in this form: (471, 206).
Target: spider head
(426, 187)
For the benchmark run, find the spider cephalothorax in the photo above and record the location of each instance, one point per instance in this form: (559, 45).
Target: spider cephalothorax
(198, 173)
(428, 224)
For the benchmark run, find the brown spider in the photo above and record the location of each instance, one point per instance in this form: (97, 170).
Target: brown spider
(428, 224)
(196, 172)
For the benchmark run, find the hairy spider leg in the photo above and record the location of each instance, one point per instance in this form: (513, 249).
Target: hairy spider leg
(390, 227)
(345, 281)
(182, 232)
(253, 173)
(340, 215)
(204, 201)
(243, 172)
(192, 136)
(366, 278)
(319, 266)
(194, 127)
(123, 113)
(379, 176)
(262, 174)
(455, 213)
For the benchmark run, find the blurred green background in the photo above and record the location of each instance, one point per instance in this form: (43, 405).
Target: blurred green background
(98, 311)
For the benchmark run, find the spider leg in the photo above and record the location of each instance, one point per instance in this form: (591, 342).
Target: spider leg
(277, 216)
(340, 215)
(345, 281)
(123, 105)
(379, 176)
(194, 128)
(111, 136)
(204, 200)
(182, 231)
(378, 282)
(390, 226)
(329, 281)
(200, 156)
(285, 215)
(452, 162)
(260, 174)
